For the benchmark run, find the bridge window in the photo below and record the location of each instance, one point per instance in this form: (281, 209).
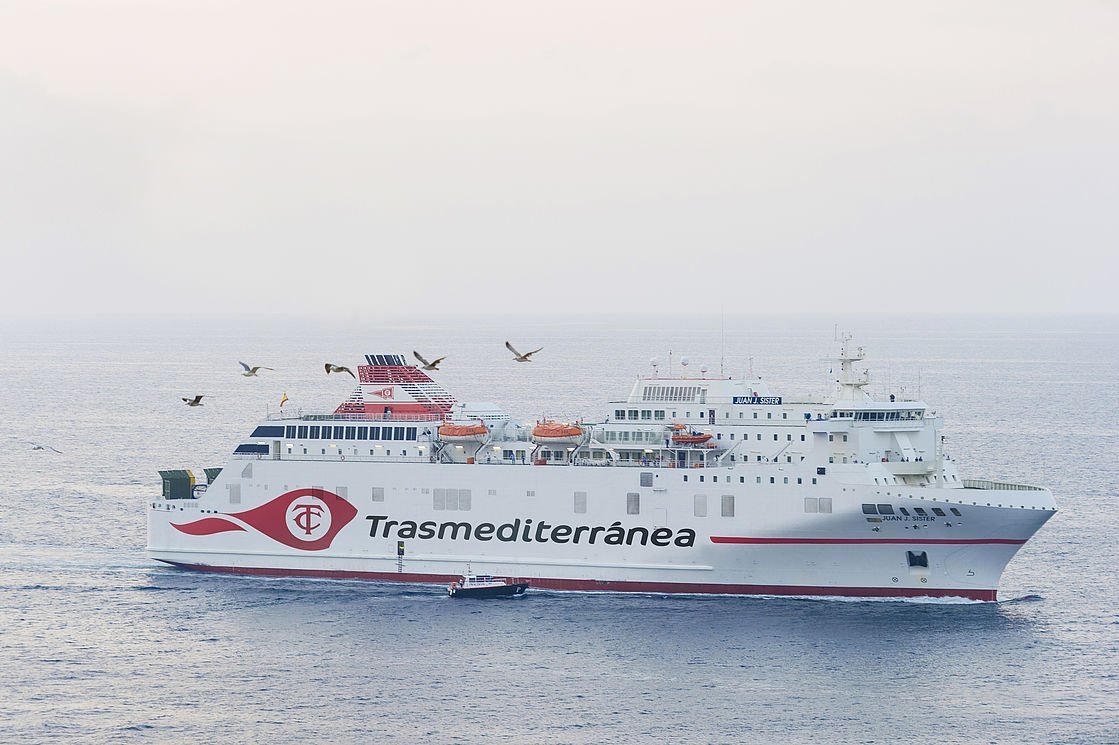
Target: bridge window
(659, 414)
(351, 433)
(339, 433)
(647, 478)
(885, 509)
(619, 413)
(363, 433)
(870, 509)
(938, 512)
(646, 414)
(301, 432)
(956, 512)
(633, 414)
(290, 432)
(920, 511)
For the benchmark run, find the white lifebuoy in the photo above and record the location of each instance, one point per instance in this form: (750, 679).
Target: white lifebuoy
(342, 457)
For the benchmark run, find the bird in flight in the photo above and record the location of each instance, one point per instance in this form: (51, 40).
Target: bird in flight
(35, 446)
(250, 372)
(518, 357)
(428, 365)
(196, 401)
(332, 368)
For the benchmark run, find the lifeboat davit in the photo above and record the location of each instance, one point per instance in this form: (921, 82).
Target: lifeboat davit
(692, 439)
(463, 432)
(557, 433)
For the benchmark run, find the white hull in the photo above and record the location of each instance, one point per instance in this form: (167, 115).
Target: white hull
(770, 545)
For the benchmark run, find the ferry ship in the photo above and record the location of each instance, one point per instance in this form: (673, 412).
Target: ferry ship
(688, 485)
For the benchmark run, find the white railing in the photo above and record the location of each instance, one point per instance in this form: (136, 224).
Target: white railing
(317, 416)
(998, 485)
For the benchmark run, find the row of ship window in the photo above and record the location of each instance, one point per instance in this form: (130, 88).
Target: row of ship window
(656, 415)
(348, 432)
(888, 509)
(758, 479)
(626, 436)
(877, 416)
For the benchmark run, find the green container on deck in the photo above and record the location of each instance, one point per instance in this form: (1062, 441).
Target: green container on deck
(177, 484)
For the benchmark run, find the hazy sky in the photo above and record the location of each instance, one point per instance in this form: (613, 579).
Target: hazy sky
(417, 157)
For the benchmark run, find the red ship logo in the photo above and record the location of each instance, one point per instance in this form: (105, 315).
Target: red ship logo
(385, 393)
(307, 519)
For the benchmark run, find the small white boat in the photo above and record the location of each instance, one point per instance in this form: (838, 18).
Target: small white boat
(486, 586)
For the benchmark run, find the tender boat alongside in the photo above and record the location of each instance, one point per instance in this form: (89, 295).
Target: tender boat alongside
(689, 484)
(486, 586)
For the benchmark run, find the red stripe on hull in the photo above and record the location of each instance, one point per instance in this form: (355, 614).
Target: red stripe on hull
(592, 585)
(903, 541)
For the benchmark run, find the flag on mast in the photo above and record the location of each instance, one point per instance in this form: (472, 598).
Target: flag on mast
(283, 400)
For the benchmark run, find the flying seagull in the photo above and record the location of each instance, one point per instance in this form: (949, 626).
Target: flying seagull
(428, 365)
(332, 368)
(44, 448)
(196, 401)
(250, 372)
(517, 356)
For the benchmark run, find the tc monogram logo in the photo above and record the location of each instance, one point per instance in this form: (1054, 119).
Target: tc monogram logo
(308, 518)
(304, 514)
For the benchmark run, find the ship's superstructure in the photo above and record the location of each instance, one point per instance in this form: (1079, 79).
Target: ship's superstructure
(690, 484)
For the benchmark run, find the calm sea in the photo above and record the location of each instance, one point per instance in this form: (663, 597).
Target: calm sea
(98, 644)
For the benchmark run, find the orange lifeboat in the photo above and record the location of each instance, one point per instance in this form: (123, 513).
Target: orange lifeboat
(556, 432)
(449, 432)
(692, 439)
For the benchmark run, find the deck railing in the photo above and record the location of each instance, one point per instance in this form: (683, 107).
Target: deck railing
(998, 485)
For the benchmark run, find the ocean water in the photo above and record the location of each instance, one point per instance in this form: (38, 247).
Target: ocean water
(99, 644)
